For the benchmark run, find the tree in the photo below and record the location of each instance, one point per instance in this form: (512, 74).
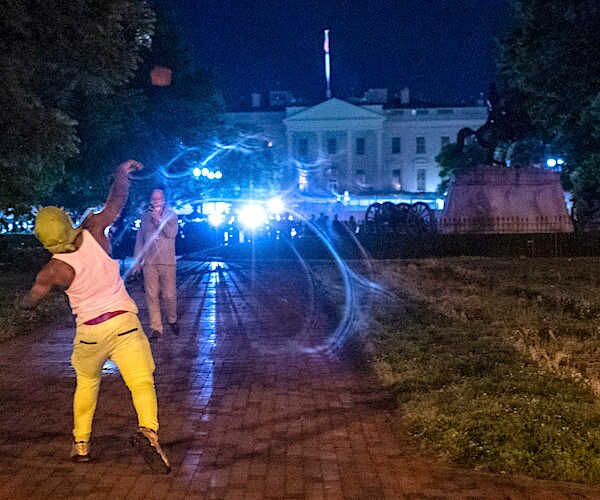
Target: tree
(452, 160)
(179, 121)
(142, 121)
(551, 57)
(53, 53)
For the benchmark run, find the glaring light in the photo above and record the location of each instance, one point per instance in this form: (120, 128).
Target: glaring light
(560, 161)
(218, 174)
(216, 219)
(205, 171)
(440, 204)
(270, 144)
(211, 175)
(276, 206)
(197, 172)
(252, 216)
(551, 162)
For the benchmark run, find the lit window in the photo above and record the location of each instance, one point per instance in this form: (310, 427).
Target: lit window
(303, 180)
(360, 145)
(361, 178)
(420, 145)
(396, 146)
(421, 179)
(396, 181)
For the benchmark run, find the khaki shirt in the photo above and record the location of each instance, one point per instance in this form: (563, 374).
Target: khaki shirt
(157, 246)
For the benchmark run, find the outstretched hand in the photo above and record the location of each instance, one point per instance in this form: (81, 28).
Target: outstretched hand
(130, 166)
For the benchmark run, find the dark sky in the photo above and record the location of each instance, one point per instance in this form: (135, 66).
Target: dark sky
(443, 50)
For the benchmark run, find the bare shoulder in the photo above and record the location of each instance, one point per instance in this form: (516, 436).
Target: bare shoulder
(96, 225)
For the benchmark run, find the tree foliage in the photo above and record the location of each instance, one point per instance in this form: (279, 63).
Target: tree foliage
(52, 54)
(551, 57)
(152, 124)
(452, 161)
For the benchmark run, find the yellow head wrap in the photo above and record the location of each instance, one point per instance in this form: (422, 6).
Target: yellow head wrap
(54, 228)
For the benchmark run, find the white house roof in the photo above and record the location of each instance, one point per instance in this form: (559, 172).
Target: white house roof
(334, 109)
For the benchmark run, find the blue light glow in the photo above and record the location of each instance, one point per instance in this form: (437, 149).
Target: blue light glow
(276, 206)
(216, 219)
(252, 216)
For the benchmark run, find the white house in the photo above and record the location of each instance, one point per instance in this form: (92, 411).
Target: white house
(361, 152)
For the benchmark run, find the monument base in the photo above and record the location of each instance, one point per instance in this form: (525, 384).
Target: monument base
(494, 199)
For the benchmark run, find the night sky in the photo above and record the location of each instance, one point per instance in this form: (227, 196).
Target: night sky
(442, 50)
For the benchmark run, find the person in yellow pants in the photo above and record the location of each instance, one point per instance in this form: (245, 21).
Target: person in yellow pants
(105, 314)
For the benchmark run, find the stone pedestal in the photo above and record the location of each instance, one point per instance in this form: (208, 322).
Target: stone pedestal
(493, 199)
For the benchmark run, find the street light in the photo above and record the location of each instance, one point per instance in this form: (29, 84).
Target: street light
(555, 163)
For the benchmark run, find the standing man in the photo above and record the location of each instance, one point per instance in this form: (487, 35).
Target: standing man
(155, 253)
(105, 314)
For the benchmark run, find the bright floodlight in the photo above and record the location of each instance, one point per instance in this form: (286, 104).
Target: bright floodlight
(551, 162)
(211, 175)
(560, 161)
(252, 216)
(276, 206)
(218, 174)
(197, 172)
(216, 219)
(204, 171)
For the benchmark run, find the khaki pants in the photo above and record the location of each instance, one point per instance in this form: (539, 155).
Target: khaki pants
(161, 280)
(122, 340)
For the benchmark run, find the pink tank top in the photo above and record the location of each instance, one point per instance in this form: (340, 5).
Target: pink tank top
(97, 287)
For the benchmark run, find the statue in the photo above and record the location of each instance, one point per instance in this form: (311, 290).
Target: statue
(507, 121)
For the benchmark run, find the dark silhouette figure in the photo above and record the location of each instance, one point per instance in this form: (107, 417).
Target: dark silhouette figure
(507, 121)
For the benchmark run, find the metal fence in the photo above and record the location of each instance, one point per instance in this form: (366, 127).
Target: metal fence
(503, 225)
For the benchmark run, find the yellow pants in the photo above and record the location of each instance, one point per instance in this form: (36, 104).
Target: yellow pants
(122, 340)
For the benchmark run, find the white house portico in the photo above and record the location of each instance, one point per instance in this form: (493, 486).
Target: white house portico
(368, 151)
(336, 135)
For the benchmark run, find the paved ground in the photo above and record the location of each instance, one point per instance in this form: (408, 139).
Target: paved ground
(249, 408)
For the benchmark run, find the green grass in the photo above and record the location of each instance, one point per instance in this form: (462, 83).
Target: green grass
(494, 361)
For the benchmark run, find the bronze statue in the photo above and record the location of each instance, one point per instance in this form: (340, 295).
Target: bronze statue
(507, 121)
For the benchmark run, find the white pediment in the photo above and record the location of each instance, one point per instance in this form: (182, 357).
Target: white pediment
(334, 109)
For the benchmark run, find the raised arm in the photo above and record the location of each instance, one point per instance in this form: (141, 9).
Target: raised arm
(117, 195)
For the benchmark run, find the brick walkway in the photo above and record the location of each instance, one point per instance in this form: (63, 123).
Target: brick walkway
(248, 410)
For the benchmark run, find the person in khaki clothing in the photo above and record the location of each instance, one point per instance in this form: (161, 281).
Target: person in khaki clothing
(155, 254)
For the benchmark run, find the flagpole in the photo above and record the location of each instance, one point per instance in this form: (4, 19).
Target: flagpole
(327, 64)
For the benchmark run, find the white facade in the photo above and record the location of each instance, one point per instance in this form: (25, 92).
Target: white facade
(365, 150)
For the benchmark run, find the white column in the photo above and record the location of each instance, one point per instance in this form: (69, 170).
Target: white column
(291, 174)
(378, 184)
(321, 175)
(349, 177)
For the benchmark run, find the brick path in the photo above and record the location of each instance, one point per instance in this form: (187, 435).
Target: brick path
(248, 410)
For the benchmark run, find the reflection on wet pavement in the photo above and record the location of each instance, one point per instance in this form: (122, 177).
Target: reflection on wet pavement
(255, 401)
